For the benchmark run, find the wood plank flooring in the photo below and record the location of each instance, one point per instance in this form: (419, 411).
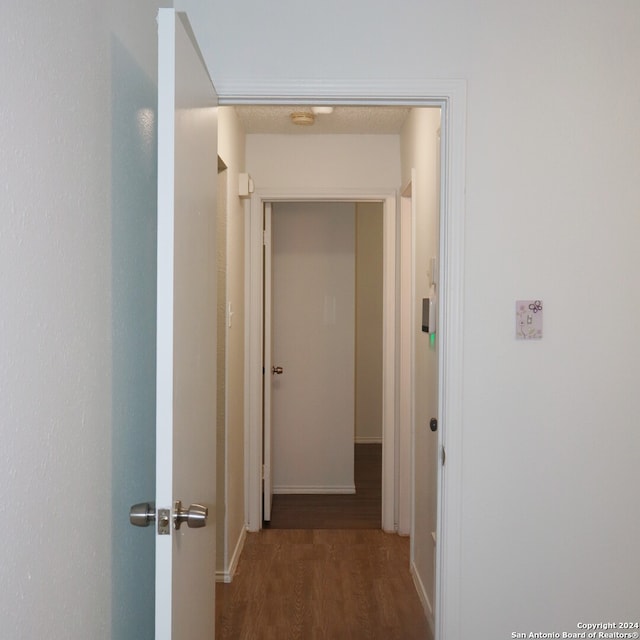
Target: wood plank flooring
(362, 510)
(324, 570)
(321, 585)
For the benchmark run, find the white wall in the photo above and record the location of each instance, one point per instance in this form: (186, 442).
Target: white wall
(419, 150)
(368, 400)
(324, 162)
(231, 148)
(313, 339)
(77, 332)
(552, 153)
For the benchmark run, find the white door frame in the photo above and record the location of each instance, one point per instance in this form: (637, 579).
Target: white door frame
(405, 432)
(253, 476)
(450, 96)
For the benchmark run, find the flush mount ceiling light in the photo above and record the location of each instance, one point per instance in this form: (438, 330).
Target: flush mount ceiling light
(322, 110)
(303, 118)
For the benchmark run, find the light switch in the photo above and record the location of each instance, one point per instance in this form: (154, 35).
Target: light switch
(528, 319)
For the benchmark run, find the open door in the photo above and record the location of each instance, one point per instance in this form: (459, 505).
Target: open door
(186, 338)
(269, 371)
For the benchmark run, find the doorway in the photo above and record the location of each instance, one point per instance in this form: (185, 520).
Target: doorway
(324, 326)
(255, 433)
(292, 168)
(450, 97)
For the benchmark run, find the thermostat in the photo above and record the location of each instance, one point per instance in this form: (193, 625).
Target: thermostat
(428, 315)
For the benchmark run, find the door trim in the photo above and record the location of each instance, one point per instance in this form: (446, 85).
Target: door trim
(451, 96)
(255, 329)
(405, 475)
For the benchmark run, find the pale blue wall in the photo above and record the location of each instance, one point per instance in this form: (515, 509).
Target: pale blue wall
(133, 247)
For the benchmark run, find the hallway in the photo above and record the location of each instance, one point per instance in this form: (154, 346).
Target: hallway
(321, 585)
(324, 570)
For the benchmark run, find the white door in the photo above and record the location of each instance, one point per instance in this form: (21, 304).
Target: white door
(313, 340)
(270, 370)
(186, 334)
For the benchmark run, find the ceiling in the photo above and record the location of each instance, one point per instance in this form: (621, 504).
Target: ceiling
(361, 120)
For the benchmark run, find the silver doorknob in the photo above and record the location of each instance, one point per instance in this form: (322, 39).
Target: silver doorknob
(195, 516)
(143, 514)
(277, 370)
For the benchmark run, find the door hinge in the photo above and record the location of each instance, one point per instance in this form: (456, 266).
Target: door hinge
(444, 456)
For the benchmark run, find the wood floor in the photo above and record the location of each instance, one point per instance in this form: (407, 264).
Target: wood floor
(321, 585)
(324, 570)
(362, 510)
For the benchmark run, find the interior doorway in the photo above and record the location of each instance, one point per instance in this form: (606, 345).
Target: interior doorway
(450, 97)
(284, 168)
(388, 411)
(323, 328)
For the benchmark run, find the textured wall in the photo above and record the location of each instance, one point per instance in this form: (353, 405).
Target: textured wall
(77, 237)
(55, 325)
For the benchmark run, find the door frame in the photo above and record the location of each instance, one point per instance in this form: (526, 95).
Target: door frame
(254, 443)
(451, 97)
(406, 302)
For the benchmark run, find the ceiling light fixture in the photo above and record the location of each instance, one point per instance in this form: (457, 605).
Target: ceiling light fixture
(322, 110)
(303, 118)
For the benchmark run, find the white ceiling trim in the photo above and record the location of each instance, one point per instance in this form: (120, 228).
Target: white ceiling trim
(418, 92)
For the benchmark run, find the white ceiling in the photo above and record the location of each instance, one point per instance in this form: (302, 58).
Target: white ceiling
(362, 120)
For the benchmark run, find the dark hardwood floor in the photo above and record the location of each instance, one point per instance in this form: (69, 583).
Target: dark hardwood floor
(321, 585)
(324, 570)
(362, 510)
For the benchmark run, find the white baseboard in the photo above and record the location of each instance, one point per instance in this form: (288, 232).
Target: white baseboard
(227, 575)
(422, 594)
(368, 440)
(333, 489)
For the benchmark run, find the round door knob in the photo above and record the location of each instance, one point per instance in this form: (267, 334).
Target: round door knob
(276, 370)
(195, 516)
(143, 514)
